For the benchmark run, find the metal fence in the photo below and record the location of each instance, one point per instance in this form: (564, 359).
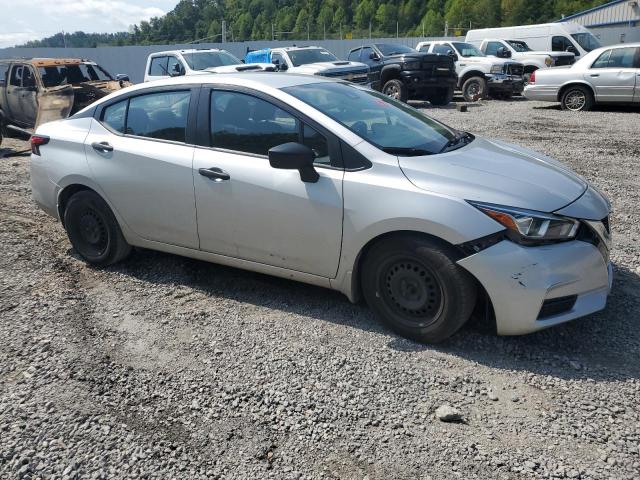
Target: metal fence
(132, 59)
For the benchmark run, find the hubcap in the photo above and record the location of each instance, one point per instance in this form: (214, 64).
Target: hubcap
(575, 100)
(392, 91)
(473, 89)
(93, 233)
(413, 292)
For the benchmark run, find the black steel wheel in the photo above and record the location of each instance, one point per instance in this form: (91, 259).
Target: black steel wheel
(414, 285)
(474, 89)
(93, 230)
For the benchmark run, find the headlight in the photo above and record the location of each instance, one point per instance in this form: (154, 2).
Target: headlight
(412, 66)
(548, 61)
(496, 69)
(530, 227)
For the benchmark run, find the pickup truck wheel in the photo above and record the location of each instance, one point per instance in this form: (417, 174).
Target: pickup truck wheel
(577, 99)
(414, 285)
(474, 89)
(396, 89)
(93, 229)
(443, 96)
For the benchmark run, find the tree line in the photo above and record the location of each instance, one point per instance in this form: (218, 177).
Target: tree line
(202, 20)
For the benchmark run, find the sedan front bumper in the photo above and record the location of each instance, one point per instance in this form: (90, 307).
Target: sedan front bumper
(520, 279)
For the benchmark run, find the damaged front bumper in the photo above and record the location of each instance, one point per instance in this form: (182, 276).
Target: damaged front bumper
(532, 288)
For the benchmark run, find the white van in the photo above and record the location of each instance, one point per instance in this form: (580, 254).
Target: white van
(174, 63)
(555, 37)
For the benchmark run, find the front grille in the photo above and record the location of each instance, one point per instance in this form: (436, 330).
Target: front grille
(355, 76)
(564, 60)
(556, 306)
(514, 69)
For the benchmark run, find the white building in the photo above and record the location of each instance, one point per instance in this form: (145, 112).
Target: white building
(614, 22)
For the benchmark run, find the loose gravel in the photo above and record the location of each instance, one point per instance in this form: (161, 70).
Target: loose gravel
(166, 367)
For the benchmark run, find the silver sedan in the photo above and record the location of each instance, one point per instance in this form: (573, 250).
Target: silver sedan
(335, 185)
(605, 75)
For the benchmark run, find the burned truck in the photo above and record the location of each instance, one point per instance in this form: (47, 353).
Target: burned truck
(39, 90)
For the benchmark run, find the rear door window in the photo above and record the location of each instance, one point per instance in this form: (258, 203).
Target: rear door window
(160, 115)
(158, 66)
(622, 58)
(16, 76)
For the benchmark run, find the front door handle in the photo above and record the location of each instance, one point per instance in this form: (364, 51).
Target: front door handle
(102, 147)
(595, 74)
(214, 173)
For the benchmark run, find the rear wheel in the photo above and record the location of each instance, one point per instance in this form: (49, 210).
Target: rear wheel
(577, 99)
(93, 229)
(414, 285)
(443, 96)
(394, 88)
(474, 89)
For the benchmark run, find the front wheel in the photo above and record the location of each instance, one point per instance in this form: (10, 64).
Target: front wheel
(577, 99)
(442, 97)
(396, 89)
(474, 89)
(93, 229)
(414, 285)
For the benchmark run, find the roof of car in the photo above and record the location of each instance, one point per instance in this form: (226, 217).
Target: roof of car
(48, 62)
(188, 50)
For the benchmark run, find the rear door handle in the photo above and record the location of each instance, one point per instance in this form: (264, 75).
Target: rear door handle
(214, 173)
(102, 147)
(595, 74)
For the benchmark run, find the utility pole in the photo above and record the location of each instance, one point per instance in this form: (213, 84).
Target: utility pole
(340, 31)
(369, 29)
(307, 30)
(397, 29)
(224, 31)
(324, 31)
(423, 29)
(446, 29)
(273, 32)
(64, 40)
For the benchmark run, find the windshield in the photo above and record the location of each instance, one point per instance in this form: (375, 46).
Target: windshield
(203, 60)
(519, 46)
(393, 49)
(55, 75)
(390, 125)
(310, 55)
(467, 50)
(587, 41)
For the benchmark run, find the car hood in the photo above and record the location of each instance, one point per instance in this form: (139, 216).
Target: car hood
(242, 67)
(335, 66)
(549, 54)
(491, 171)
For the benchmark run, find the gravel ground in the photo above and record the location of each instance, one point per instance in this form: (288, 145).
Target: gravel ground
(165, 367)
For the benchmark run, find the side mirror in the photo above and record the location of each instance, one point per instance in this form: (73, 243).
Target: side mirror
(122, 77)
(571, 49)
(374, 56)
(452, 54)
(295, 156)
(283, 66)
(176, 70)
(503, 52)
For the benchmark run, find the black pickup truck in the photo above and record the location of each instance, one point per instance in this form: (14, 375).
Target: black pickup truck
(404, 73)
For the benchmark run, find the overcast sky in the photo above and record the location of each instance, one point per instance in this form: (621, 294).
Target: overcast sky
(24, 20)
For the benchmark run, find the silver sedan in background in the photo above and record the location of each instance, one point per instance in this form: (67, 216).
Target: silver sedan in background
(605, 75)
(335, 185)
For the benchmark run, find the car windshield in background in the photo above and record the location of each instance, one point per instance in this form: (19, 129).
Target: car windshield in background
(391, 126)
(587, 41)
(55, 75)
(203, 60)
(467, 50)
(310, 55)
(519, 46)
(393, 49)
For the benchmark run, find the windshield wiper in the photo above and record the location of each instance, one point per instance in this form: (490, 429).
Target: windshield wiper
(406, 151)
(458, 137)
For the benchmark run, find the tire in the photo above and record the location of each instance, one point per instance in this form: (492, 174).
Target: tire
(474, 89)
(414, 286)
(577, 99)
(442, 97)
(93, 229)
(394, 88)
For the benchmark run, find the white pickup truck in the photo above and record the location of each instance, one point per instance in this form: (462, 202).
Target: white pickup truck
(519, 51)
(479, 76)
(175, 63)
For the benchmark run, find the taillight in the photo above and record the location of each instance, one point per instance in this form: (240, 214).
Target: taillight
(36, 142)
(532, 78)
